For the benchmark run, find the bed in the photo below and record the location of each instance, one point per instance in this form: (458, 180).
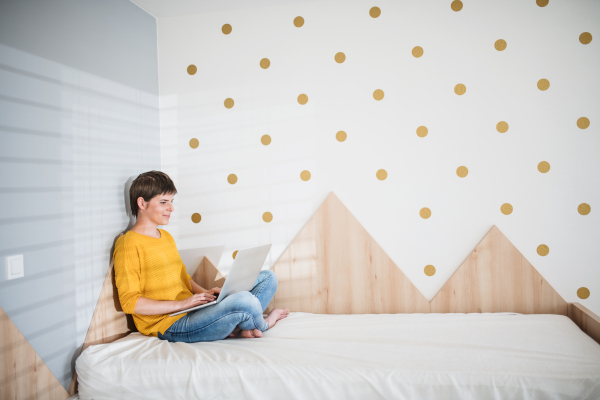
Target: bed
(368, 356)
(496, 330)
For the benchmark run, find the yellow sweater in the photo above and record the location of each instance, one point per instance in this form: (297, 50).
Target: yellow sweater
(150, 267)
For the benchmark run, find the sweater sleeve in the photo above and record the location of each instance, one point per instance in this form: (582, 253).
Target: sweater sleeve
(127, 274)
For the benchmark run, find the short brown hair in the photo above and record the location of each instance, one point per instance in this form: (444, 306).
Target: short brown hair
(148, 185)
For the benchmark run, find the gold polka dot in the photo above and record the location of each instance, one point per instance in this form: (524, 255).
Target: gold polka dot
(583, 123)
(585, 38)
(341, 136)
(228, 103)
(298, 22)
(502, 126)
(583, 293)
(422, 131)
(506, 209)
(340, 57)
(226, 29)
(429, 270)
(196, 218)
(381, 174)
(194, 143)
(542, 3)
(234, 254)
(378, 94)
(417, 51)
(303, 99)
(500, 45)
(232, 178)
(375, 12)
(543, 250)
(265, 139)
(544, 167)
(460, 89)
(267, 217)
(425, 213)
(456, 5)
(265, 63)
(462, 171)
(305, 175)
(584, 209)
(543, 84)
(191, 69)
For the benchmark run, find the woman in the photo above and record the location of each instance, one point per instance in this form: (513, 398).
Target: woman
(152, 281)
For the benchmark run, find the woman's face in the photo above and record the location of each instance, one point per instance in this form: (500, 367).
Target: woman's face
(158, 209)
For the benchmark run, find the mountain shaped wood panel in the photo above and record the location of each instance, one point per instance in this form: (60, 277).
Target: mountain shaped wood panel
(496, 277)
(334, 266)
(24, 374)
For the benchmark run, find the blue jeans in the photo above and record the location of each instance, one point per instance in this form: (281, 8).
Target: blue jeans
(243, 309)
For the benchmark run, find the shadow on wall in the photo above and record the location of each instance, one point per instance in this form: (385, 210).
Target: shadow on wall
(132, 218)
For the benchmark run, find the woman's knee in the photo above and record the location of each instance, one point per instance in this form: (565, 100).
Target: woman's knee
(270, 275)
(244, 301)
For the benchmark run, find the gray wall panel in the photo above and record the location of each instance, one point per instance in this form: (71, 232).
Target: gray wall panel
(78, 118)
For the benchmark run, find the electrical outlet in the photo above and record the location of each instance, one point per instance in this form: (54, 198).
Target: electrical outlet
(14, 267)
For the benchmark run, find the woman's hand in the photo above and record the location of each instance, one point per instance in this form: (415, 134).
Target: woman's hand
(216, 290)
(196, 300)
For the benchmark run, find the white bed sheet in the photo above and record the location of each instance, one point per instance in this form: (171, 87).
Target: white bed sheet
(370, 356)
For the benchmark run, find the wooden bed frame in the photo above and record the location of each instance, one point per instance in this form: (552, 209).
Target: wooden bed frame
(333, 257)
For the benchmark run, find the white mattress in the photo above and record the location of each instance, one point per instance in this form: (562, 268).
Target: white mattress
(372, 356)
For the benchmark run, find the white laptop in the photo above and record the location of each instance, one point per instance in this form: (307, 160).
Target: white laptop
(241, 277)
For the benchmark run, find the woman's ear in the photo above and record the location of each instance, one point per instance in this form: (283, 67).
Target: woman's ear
(141, 203)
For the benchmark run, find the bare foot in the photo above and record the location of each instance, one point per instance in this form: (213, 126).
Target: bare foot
(247, 334)
(235, 333)
(254, 333)
(276, 315)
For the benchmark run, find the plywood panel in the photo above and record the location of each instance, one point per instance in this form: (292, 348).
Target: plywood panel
(109, 322)
(496, 277)
(24, 375)
(586, 320)
(335, 267)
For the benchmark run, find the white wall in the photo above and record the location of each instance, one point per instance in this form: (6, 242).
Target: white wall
(458, 48)
(78, 117)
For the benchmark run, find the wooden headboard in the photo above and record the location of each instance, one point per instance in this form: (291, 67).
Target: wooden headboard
(334, 256)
